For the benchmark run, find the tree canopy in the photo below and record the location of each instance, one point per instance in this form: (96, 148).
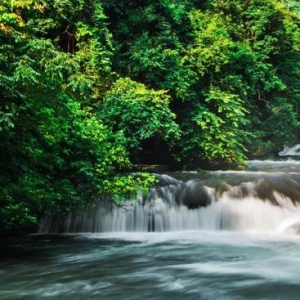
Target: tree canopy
(85, 84)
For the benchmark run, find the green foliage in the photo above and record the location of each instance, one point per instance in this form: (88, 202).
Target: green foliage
(212, 42)
(219, 110)
(221, 136)
(85, 83)
(283, 116)
(56, 154)
(128, 186)
(138, 112)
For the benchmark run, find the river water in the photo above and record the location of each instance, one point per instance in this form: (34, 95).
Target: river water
(177, 265)
(246, 246)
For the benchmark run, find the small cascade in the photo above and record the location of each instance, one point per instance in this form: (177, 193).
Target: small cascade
(249, 214)
(291, 225)
(237, 201)
(293, 151)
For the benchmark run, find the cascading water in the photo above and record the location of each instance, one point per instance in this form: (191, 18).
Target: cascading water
(263, 199)
(208, 235)
(293, 151)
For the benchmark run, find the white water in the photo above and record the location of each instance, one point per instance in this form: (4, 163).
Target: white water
(248, 214)
(293, 151)
(185, 265)
(264, 199)
(235, 238)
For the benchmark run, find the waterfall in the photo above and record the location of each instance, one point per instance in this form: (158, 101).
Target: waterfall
(293, 151)
(248, 214)
(239, 201)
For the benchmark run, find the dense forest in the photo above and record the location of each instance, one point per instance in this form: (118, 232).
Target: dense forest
(91, 87)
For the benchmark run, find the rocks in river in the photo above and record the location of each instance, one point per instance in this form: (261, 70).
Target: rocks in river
(192, 194)
(195, 195)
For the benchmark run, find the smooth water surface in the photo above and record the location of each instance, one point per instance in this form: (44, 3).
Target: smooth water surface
(166, 265)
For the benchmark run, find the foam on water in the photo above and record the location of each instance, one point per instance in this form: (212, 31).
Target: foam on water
(226, 213)
(261, 200)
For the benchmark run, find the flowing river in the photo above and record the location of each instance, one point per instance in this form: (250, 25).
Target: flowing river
(214, 235)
